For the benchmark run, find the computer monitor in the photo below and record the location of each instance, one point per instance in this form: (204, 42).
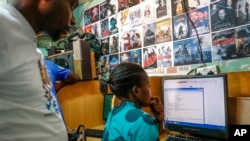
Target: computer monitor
(196, 105)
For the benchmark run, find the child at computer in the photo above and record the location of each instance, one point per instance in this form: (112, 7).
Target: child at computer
(130, 83)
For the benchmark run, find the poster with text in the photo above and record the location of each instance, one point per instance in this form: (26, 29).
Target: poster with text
(150, 57)
(180, 27)
(200, 23)
(222, 15)
(223, 45)
(163, 30)
(164, 55)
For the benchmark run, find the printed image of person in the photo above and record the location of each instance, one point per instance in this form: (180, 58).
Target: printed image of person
(104, 28)
(213, 11)
(161, 10)
(113, 62)
(114, 44)
(105, 46)
(247, 10)
(126, 43)
(136, 56)
(136, 39)
(166, 56)
(87, 17)
(150, 57)
(122, 5)
(113, 26)
(95, 14)
(149, 36)
(223, 20)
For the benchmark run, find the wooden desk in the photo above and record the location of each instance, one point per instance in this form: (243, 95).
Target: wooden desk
(162, 136)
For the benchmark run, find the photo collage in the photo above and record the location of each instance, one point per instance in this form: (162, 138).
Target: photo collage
(167, 36)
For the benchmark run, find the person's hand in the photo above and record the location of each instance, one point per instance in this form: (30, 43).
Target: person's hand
(156, 108)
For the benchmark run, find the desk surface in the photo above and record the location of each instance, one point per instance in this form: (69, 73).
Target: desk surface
(162, 136)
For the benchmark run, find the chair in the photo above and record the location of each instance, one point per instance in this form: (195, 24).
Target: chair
(108, 105)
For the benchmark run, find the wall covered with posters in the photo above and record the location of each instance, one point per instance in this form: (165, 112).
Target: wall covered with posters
(170, 37)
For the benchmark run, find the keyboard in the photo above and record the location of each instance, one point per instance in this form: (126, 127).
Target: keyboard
(172, 137)
(96, 133)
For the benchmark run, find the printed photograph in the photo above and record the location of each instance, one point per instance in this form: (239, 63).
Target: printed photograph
(135, 56)
(114, 43)
(164, 55)
(149, 34)
(105, 28)
(199, 22)
(163, 8)
(222, 15)
(150, 57)
(113, 27)
(180, 27)
(242, 41)
(163, 30)
(113, 61)
(223, 45)
(242, 12)
(148, 12)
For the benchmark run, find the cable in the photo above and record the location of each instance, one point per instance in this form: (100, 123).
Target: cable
(196, 32)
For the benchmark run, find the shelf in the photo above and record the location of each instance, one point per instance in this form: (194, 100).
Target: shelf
(58, 54)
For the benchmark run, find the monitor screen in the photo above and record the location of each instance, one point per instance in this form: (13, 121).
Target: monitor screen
(196, 105)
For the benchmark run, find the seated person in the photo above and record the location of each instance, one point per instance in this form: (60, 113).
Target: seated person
(130, 83)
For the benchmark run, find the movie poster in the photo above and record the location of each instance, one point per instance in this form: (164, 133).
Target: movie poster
(164, 55)
(96, 30)
(87, 17)
(113, 61)
(222, 15)
(202, 52)
(123, 19)
(123, 5)
(135, 56)
(223, 45)
(125, 41)
(163, 8)
(200, 22)
(105, 46)
(114, 43)
(125, 57)
(163, 30)
(192, 51)
(243, 41)
(105, 28)
(95, 14)
(150, 57)
(148, 12)
(182, 51)
(108, 8)
(135, 16)
(195, 4)
(103, 72)
(149, 34)
(179, 7)
(88, 29)
(242, 12)
(113, 28)
(136, 38)
(180, 27)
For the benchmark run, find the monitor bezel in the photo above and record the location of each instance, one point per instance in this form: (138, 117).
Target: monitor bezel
(200, 131)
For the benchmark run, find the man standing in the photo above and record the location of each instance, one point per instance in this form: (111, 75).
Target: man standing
(25, 91)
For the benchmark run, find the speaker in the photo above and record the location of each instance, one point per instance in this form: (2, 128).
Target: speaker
(64, 60)
(84, 60)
